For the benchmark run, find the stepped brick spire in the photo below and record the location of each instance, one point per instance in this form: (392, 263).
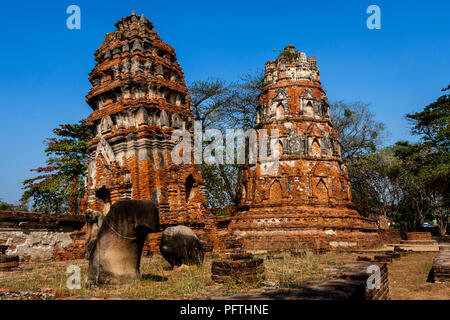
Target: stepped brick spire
(311, 171)
(139, 98)
(310, 192)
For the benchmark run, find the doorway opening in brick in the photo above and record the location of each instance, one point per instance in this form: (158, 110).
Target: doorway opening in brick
(189, 184)
(104, 197)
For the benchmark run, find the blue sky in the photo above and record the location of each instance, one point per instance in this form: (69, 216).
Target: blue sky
(45, 66)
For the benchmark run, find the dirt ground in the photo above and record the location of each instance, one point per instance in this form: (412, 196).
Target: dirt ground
(408, 279)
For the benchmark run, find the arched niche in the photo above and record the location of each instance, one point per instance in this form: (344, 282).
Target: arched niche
(277, 149)
(188, 187)
(315, 148)
(164, 119)
(142, 117)
(280, 111)
(275, 192)
(322, 191)
(104, 200)
(309, 109)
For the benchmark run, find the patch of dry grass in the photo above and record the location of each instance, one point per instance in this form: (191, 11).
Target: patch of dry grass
(287, 271)
(158, 282)
(408, 279)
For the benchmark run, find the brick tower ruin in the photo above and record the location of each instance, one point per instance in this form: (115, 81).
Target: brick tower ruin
(139, 98)
(307, 201)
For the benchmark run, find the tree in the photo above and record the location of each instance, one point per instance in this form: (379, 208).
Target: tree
(374, 193)
(407, 173)
(408, 180)
(432, 154)
(22, 206)
(207, 99)
(359, 132)
(221, 105)
(361, 136)
(60, 185)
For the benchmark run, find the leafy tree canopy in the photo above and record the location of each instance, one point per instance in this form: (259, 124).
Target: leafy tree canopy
(59, 185)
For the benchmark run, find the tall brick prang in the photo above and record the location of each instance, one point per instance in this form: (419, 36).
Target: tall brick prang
(139, 98)
(306, 202)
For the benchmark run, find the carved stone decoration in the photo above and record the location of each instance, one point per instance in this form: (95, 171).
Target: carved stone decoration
(164, 119)
(104, 149)
(280, 106)
(176, 121)
(148, 66)
(136, 46)
(159, 70)
(296, 143)
(142, 117)
(126, 66)
(106, 125)
(135, 66)
(125, 47)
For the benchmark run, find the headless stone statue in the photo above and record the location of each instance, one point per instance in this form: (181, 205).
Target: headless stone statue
(116, 255)
(180, 245)
(93, 223)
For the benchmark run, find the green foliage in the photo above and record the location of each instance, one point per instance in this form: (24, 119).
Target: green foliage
(23, 206)
(425, 170)
(348, 113)
(408, 181)
(285, 53)
(59, 186)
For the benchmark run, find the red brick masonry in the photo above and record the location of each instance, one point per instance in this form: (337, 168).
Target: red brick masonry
(306, 201)
(418, 235)
(440, 271)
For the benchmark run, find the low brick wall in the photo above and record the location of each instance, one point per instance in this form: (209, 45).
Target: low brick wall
(352, 285)
(37, 236)
(440, 272)
(239, 267)
(418, 235)
(391, 235)
(358, 272)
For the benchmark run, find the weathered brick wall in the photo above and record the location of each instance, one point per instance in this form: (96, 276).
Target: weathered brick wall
(238, 267)
(418, 235)
(440, 271)
(316, 229)
(37, 236)
(358, 272)
(350, 285)
(391, 235)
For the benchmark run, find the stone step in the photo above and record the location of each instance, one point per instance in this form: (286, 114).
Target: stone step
(418, 248)
(420, 242)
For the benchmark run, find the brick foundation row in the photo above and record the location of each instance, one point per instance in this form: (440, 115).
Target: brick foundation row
(440, 272)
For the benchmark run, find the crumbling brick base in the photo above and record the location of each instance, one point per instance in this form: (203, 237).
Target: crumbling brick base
(238, 267)
(440, 271)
